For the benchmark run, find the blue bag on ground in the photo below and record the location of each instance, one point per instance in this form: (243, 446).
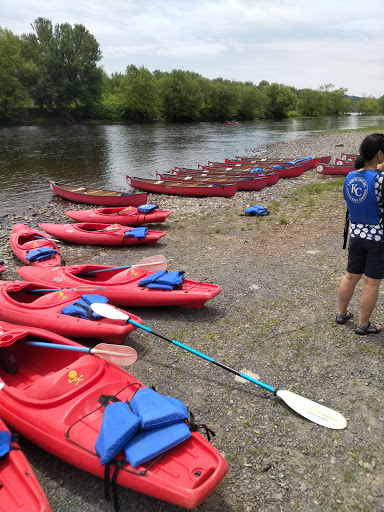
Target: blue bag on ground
(147, 208)
(40, 254)
(118, 426)
(137, 232)
(156, 410)
(256, 210)
(5, 442)
(147, 444)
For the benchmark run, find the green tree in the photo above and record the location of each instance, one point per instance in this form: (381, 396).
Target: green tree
(280, 100)
(369, 106)
(250, 100)
(13, 96)
(336, 102)
(62, 69)
(311, 103)
(180, 95)
(223, 99)
(139, 94)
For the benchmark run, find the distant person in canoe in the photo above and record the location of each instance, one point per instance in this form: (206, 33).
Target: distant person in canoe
(363, 192)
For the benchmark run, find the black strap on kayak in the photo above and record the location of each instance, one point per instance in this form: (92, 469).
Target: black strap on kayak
(193, 427)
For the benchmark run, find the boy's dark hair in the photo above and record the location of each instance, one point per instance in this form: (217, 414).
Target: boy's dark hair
(371, 145)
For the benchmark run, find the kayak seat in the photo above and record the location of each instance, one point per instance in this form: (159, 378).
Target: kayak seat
(130, 274)
(73, 377)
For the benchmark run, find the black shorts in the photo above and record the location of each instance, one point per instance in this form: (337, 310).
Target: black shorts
(366, 257)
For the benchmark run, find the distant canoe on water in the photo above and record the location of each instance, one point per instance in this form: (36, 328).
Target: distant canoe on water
(97, 196)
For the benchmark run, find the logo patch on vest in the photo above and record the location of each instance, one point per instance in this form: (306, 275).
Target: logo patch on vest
(357, 189)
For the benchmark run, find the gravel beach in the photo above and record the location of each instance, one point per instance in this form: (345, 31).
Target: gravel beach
(274, 320)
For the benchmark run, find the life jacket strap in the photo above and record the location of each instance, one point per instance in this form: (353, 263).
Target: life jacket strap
(346, 229)
(193, 427)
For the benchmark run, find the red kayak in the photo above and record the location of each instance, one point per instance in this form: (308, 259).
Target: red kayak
(129, 216)
(97, 196)
(286, 171)
(102, 234)
(34, 247)
(20, 304)
(121, 285)
(20, 490)
(183, 189)
(251, 182)
(309, 162)
(54, 402)
(335, 169)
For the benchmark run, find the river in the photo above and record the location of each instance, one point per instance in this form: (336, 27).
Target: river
(102, 155)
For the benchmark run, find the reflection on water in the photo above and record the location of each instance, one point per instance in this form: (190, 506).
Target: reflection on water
(101, 156)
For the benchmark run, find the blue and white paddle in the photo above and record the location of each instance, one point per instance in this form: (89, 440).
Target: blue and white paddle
(311, 410)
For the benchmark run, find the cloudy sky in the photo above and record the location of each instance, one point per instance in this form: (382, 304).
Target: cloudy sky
(302, 43)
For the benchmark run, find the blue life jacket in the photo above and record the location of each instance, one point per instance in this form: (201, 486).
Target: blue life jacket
(137, 232)
(276, 166)
(359, 193)
(291, 162)
(147, 444)
(256, 210)
(40, 254)
(256, 169)
(155, 410)
(147, 208)
(5, 442)
(163, 280)
(81, 308)
(118, 426)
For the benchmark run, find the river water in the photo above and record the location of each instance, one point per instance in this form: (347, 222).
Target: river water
(102, 155)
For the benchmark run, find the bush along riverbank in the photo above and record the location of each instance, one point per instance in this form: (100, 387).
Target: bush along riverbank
(275, 320)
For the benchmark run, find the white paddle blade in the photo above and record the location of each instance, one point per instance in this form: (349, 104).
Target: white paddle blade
(154, 263)
(313, 411)
(1, 384)
(118, 354)
(108, 311)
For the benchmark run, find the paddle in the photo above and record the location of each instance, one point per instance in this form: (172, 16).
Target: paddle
(84, 288)
(154, 263)
(46, 238)
(303, 406)
(120, 354)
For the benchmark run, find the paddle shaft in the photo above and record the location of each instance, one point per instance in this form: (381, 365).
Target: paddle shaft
(85, 350)
(203, 356)
(118, 268)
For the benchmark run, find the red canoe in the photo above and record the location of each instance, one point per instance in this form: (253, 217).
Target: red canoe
(97, 196)
(286, 171)
(19, 304)
(23, 240)
(335, 169)
(100, 234)
(309, 163)
(129, 216)
(182, 189)
(121, 285)
(250, 182)
(272, 176)
(53, 402)
(20, 490)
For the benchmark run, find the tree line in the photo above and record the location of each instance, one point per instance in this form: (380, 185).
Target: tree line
(54, 70)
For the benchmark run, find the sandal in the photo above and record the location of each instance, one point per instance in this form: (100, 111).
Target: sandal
(341, 319)
(367, 329)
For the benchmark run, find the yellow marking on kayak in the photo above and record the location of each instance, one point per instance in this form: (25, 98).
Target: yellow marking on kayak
(62, 295)
(74, 378)
(134, 272)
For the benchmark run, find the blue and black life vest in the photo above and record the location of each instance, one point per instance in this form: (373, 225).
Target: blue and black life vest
(82, 307)
(147, 208)
(137, 232)
(6, 438)
(359, 193)
(40, 254)
(163, 280)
